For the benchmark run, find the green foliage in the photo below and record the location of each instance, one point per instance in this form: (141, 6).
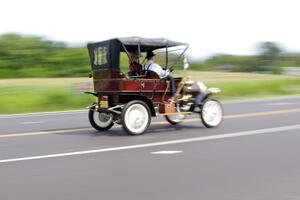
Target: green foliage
(228, 63)
(270, 58)
(29, 56)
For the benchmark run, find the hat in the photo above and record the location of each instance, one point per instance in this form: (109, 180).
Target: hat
(150, 54)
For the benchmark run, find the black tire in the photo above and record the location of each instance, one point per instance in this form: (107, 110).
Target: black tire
(140, 108)
(172, 120)
(98, 126)
(204, 119)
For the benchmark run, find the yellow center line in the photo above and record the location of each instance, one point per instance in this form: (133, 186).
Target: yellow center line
(275, 112)
(266, 113)
(44, 132)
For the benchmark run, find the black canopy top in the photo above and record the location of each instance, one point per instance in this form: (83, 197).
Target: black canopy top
(111, 49)
(149, 43)
(146, 44)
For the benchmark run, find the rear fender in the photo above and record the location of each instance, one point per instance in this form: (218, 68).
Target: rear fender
(92, 93)
(131, 97)
(92, 107)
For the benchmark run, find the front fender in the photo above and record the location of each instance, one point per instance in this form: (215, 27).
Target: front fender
(200, 98)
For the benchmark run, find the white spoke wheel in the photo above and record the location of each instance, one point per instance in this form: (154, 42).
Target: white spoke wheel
(211, 113)
(136, 117)
(101, 121)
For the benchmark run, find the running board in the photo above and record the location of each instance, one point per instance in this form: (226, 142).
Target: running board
(176, 113)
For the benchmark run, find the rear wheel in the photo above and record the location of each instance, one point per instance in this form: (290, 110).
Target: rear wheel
(136, 117)
(101, 121)
(175, 119)
(211, 113)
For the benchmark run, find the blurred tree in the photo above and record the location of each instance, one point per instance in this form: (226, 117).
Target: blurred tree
(269, 54)
(31, 56)
(269, 50)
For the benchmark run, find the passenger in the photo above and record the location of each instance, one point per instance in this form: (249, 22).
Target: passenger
(163, 74)
(134, 66)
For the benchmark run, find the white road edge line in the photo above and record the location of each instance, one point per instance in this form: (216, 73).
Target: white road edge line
(204, 138)
(281, 104)
(166, 152)
(287, 97)
(28, 123)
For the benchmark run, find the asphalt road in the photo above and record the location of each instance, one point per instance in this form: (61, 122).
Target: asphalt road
(254, 154)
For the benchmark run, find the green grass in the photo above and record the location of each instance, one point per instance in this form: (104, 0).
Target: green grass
(22, 99)
(258, 89)
(52, 94)
(248, 85)
(34, 95)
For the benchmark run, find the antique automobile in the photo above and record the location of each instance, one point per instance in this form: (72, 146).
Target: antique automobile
(132, 99)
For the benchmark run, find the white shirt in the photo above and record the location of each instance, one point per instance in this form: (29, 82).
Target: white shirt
(151, 65)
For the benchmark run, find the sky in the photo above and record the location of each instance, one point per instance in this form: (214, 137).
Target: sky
(209, 26)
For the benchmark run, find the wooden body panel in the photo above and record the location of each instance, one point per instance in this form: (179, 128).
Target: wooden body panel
(111, 83)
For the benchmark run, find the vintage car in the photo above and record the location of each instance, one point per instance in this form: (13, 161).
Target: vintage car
(132, 99)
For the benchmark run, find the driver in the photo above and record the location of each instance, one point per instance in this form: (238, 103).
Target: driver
(163, 74)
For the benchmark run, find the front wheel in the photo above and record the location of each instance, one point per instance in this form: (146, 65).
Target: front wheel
(101, 121)
(136, 117)
(211, 113)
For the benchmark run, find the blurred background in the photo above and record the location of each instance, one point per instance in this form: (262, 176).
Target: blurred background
(248, 49)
